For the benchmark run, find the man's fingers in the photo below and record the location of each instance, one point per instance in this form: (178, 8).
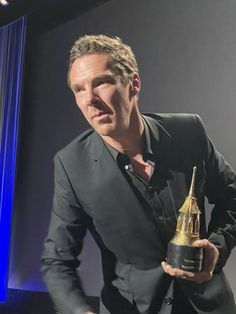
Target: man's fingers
(181, 274)
(211, 254)
(202, 243)
(176, 272)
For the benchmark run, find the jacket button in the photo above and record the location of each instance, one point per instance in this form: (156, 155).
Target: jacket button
(168, 300)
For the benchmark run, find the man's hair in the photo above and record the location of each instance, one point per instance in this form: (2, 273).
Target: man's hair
(123, 61)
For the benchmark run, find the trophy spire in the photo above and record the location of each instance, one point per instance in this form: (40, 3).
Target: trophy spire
(187, 230)
(192, 186)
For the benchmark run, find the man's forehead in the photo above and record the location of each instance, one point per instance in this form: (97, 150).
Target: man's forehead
(92, 63)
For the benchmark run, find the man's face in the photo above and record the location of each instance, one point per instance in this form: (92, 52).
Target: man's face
(105, 102)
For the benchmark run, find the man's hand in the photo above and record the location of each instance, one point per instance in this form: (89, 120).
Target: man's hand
(211, 255)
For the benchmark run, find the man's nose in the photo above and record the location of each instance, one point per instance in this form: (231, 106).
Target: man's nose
(91, 98)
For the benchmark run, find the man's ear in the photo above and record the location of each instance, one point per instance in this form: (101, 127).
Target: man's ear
(135, 85)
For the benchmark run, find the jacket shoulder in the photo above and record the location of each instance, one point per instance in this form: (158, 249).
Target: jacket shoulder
(77, 145)
(181, 125)
(170, 120)
(187, 132)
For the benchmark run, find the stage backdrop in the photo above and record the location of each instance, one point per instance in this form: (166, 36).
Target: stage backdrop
(186, 51)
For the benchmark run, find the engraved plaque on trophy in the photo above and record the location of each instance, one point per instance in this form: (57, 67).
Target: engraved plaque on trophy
(181, 253)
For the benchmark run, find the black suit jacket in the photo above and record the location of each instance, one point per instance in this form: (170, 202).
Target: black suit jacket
(91, 192)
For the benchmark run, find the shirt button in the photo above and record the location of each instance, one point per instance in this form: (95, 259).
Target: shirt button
(126, 167)
(168, 300)
(161, 218)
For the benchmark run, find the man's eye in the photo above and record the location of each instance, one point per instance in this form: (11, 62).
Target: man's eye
(77, 90)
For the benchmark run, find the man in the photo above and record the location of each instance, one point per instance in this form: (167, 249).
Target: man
(124, 180)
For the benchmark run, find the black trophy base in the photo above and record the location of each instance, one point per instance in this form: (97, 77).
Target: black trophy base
(184, 257)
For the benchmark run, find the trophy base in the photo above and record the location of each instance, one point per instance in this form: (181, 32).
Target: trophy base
(184, 257)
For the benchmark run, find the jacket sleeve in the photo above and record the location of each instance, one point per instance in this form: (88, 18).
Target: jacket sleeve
(62, 246)
(220, 191)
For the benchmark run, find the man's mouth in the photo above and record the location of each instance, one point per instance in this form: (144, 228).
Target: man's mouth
(98, 115)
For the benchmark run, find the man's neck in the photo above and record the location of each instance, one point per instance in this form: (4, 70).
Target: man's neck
(131, 142)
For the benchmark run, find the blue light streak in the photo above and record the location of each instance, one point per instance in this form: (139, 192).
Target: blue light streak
(12, 39)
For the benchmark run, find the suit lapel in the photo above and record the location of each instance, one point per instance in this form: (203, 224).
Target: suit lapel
(177, 189)
(168, 165)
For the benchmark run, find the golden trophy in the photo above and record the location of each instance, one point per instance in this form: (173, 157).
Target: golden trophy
(181, 253)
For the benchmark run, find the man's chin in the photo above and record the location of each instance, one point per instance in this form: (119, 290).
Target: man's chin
(105, 130)
(105, 133)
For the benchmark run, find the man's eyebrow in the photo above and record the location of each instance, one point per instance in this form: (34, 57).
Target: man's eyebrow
(104, 76)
